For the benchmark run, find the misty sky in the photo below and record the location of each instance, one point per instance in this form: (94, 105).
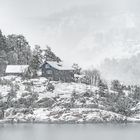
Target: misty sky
(82, 31)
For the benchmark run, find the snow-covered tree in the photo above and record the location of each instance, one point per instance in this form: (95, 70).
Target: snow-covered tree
(49, 55)
(77, 69)
(19, 49)
(116, 86)
(103, 88)
(136, 93)
(92, 76)
(36, 61)
(3, 62)
(3, 44)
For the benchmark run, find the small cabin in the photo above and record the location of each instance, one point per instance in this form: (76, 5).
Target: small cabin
(16, 69)
(57, 71)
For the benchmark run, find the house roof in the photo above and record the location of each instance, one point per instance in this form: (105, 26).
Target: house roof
(59, 66)
(16, 68)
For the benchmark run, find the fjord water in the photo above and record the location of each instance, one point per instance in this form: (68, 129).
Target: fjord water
(70, 132)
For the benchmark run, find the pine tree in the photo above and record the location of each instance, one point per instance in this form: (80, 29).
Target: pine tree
(136, 93)
(3, 56)
(116, 86)
(3, 44)
(36, 61)
(17, 44)
(50, 56)
(103, 88)
(3, 62)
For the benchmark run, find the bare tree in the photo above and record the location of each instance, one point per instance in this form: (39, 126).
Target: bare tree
(92, 76)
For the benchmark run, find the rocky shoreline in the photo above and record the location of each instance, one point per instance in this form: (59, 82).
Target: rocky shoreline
(61, 115)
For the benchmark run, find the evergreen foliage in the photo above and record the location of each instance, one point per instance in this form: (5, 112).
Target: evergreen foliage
(49, 55)
(36, 61)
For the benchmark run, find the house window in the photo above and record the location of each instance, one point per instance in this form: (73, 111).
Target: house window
(49, 72)
(47, 66)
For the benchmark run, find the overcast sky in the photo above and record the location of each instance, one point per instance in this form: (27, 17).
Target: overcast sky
(77, 30)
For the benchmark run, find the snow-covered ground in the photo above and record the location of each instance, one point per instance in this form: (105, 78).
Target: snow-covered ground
(34, 103)
(63, 115)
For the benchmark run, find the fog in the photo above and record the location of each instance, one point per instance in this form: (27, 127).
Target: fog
(89, 30)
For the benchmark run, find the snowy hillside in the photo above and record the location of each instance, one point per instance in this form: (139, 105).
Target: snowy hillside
(30, 101)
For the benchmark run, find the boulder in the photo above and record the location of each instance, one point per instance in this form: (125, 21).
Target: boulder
(46, 102)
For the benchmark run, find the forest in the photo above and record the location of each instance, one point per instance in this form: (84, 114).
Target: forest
(16, 50)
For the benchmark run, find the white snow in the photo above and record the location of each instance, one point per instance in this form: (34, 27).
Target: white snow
(60, 65)
(16, 68)
(58, 112)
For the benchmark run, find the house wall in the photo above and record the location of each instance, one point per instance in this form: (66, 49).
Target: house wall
(65, 76)
(57, 75)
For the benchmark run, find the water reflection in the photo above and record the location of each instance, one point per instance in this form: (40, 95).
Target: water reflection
(69, 132)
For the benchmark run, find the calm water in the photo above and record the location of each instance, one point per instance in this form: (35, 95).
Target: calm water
(69, 132)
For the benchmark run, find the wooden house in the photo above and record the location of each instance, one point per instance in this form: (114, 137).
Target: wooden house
(57, 71)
